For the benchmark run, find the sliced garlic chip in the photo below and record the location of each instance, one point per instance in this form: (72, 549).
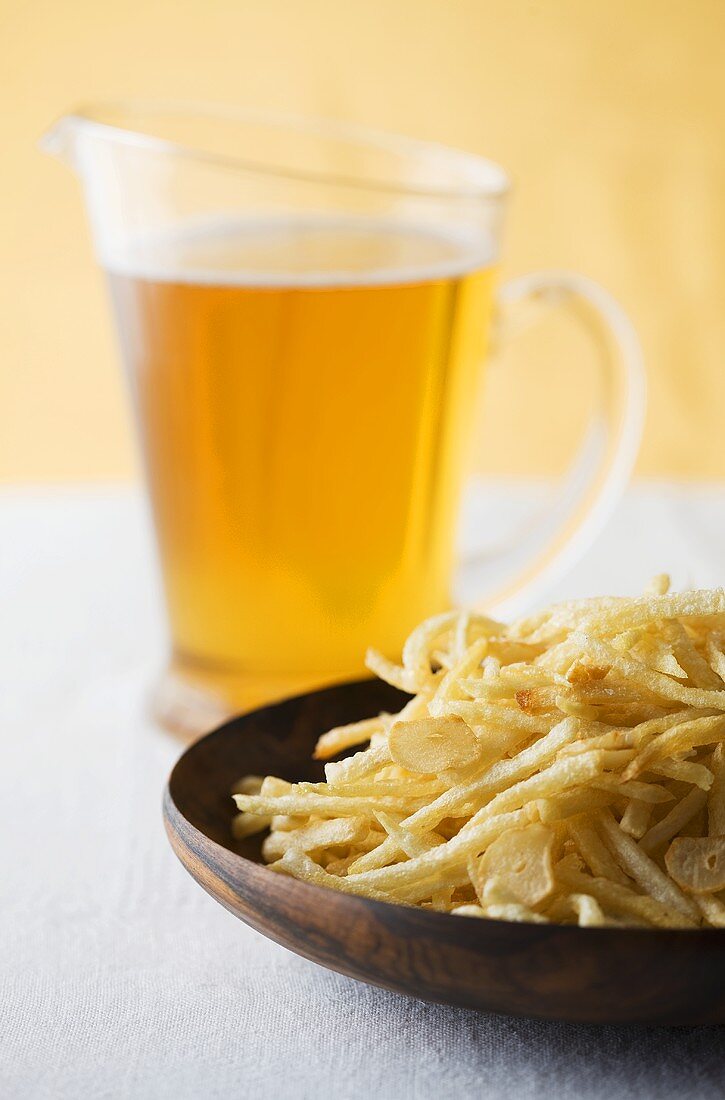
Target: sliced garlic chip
(521, 862)
(697, 864)
(433, 745)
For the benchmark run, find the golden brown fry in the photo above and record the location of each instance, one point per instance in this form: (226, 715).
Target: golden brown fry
(300, 866)
(641, 868)
(356, 767)
(282, 823)
(594, 851)
(636, 818)
(248, 784)
(344, 737)
(416, 651)
(272, 787)
(568, 772)
(588, 911)
(327, 805)
(610, 739)
(680, 739)
(388, 851)
(514, 913)
(715, 655)
(568, 804)
(645, 792)
(392, 674)
(659, 585)
(411, 844)
(686, 771)
(686, 657)
(244, 825)
(654, 652)
(582, 674)
(452, 684)
(712, 909)
(339, 831)
(716, 798)
(675, 820)
(481, 717)
(656, 682)
(647, 610)
(502, 682)
(620, 899)
(538, 700)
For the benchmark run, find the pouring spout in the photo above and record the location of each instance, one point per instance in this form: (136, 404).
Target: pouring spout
(60, 139)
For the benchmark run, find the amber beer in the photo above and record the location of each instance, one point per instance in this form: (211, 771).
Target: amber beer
(304, 393)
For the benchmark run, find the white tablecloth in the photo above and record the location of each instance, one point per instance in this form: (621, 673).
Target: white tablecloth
(119, 977)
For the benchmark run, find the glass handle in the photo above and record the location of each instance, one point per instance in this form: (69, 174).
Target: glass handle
(551, 545)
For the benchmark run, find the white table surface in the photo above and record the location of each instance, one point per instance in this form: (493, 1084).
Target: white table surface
(119, 977)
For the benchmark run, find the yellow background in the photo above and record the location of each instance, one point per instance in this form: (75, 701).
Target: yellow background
(608, 115)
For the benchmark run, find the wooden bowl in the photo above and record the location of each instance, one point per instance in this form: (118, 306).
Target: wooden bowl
(568, 973)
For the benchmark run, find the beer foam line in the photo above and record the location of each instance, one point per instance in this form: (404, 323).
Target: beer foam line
(135, 258)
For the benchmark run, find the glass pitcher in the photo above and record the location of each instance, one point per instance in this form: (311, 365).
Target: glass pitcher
(303, 310)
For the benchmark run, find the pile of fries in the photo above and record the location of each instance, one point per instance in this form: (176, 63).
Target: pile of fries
(567, 768)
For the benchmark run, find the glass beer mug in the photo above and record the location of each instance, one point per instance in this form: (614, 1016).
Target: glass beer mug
(303, 310)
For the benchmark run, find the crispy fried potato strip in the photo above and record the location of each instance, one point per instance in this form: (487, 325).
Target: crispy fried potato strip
(566, 768)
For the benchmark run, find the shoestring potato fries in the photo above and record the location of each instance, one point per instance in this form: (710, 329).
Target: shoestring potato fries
(567, 768)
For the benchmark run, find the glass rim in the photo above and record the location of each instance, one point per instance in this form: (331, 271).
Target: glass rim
(486, 179)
